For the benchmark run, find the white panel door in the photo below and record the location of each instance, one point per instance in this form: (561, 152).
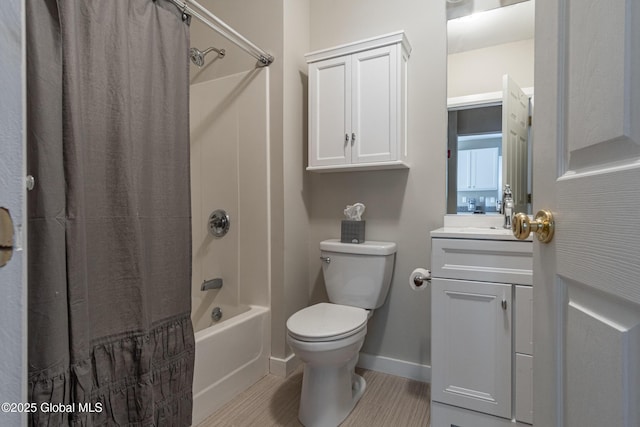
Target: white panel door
(471, 345)
(586, 170)
(515, 136)
(375, 105)
(330, 112)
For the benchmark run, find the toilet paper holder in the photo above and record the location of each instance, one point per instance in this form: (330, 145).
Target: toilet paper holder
(420, 278)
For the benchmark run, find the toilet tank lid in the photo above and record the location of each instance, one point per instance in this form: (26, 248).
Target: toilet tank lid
(369, 247)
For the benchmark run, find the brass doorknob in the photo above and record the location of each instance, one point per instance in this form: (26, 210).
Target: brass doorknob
(543, 225)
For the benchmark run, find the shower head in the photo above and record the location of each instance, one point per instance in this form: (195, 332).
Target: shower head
(197, 56)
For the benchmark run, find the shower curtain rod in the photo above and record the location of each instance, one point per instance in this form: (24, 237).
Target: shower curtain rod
(224, 30)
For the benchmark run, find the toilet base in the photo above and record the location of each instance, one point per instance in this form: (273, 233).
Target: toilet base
(329, 395)
(330, 386)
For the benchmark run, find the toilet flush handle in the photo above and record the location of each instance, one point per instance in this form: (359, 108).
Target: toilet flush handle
(325, 259)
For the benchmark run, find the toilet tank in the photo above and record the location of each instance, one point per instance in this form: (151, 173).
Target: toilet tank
(358, 275)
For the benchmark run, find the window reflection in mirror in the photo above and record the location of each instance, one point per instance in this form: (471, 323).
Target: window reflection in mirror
(484, 45)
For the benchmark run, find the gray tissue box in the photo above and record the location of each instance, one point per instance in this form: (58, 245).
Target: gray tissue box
(352, 231)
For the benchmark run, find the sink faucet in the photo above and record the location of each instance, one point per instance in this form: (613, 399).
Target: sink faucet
(507, 206)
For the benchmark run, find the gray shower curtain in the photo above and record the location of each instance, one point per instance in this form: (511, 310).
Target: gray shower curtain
(109, 268)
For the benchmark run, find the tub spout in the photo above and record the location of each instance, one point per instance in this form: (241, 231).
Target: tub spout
(211, 284)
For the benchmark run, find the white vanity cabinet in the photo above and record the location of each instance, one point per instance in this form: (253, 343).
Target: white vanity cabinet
(471, 350)
(478, 169)
(481, 348)
(357, 105)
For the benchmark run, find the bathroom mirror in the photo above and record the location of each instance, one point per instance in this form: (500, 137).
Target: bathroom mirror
(490, 55)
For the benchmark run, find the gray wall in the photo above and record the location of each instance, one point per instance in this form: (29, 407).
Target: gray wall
(402, 206)
(13, 352)
(296, 186)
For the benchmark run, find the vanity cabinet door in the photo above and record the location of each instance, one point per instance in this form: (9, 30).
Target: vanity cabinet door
(471, 345)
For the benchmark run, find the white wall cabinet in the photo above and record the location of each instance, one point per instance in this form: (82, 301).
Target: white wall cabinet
(478, 169)
(357, 105)
(481, 350)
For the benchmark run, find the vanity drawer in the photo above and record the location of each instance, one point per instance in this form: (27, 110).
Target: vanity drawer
(483, 260)
(524, 388)
(524, 319)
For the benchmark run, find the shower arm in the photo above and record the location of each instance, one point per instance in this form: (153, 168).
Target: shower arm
(219, 26)
(220, 52)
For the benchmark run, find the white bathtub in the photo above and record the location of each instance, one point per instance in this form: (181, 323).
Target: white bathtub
(231, 355)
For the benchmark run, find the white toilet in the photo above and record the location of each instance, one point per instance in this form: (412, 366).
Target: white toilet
(328, 336)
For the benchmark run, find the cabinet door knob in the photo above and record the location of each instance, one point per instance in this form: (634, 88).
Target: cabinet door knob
(504, 304)
(353, 137)
(346, 138)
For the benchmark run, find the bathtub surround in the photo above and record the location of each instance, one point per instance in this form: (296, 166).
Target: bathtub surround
(229, 143)
(284, 276)
(109, 218)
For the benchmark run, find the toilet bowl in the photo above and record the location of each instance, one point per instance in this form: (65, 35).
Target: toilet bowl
(328, 337)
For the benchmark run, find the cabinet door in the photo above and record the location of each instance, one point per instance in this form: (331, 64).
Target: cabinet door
(330, 112)
(375, 105)
(484, 168)
(471, 345)
(464, 170)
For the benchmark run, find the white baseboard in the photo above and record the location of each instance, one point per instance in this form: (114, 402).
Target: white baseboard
(283, 367)
(399, 368)
(415, 371)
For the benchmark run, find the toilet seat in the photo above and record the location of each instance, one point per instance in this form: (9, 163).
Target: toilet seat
(327, 322)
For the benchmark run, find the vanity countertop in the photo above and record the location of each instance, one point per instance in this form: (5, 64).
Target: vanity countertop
(479, 227)
(480, 233)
